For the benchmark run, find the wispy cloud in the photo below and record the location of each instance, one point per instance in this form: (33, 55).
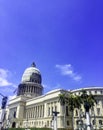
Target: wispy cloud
(67, 69)
(4, 75)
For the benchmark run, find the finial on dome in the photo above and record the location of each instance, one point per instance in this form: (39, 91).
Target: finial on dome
(33, 64)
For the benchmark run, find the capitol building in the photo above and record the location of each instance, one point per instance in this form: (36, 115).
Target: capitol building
(31, 108)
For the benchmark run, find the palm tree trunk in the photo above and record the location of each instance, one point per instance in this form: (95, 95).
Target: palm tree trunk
(64, 115)
(88, 121)
(73, 120)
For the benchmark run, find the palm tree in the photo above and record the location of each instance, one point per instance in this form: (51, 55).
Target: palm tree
(63, 101)
(88, 101)
(74, 101)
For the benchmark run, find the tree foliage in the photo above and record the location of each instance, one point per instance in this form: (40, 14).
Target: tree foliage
(62, 99)
(88, 100)
(75, 101)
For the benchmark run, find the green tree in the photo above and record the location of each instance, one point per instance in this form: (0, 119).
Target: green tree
(88, 102)
(74, 101)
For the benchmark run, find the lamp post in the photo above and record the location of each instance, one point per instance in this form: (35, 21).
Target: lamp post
(55, 119)
(7, 124)
(26, 124)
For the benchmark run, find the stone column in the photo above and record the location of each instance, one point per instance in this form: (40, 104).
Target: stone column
(27, 88)
(45, 110)
(50, 109)
(32, 89)
(35, 111)
(38, 111)
(35, 90)
(30, 112)
(41, 110)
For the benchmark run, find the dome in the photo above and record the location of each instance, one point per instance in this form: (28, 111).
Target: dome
(31, 82)
(31, 74)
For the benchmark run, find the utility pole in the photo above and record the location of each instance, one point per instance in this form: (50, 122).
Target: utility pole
(3, 107)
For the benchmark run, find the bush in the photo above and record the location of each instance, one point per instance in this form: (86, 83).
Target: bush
(37, 129)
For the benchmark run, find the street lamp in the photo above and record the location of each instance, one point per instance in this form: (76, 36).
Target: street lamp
(26, 124)
(7, 124)
(54, 119)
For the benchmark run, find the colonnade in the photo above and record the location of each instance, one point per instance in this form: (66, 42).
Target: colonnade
(35, 112)
(37, 89)
(38, 110)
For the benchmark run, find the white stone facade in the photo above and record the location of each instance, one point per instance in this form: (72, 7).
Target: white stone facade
(24, 111)
(96, 114)
(37, 111)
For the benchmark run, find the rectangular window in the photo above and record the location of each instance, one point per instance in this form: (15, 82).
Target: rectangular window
(14, 114)
(76, 112)
(52, 111)
(48, 111)
(89, 92)
(97, 102)
(93, 122)
(100, 122)
(98, 111)
(67, 122)
(67, 114)
(95, 92)
(55, 108)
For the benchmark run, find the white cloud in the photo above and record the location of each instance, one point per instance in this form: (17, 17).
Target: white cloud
(4, 75)
(68, 70)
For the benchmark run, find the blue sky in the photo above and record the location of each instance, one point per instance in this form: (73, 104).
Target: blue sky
(63, 38)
